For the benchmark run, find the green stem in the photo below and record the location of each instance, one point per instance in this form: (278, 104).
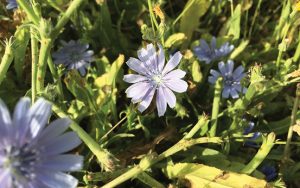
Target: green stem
(192, 104)
(152, 22)
(216, 106)
(115, 126)
(279, 57)
(191, 2)
(148, 180)
(254, 17)
(152, 16)
(297, 52)
(44, 53)
(262, 153)
(65, 17)
(201, 122)
(6, 60)
(34, 64)
(29, 11)
(56, 78)
(150, 160)
(104, 157)
(286, 153)
(231, 7)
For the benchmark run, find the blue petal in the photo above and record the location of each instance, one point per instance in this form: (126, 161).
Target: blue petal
(226, 92)
(212, 79)
(62, 143)
(177, 85)
(137, 66)
(175, 74)
(5, 120)
(66, 162)
(161, 102)
(234, 93)
(172, 63)
(134, 78)
(39, 114)
(222, 68)
(55, 179)
(161, 58)
(146, 100)
(248, 129)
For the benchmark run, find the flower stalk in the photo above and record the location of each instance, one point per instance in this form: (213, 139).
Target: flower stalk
(29, 11)
(56, 78)
(106, 159)
(43, 55)
(6, 59)
(65, 18)
(286, 153)
(201, 122)
(262, 153)
(34, 64)
(216, 106)
(152, 159)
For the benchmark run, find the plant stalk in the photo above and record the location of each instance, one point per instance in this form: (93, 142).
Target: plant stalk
(286, 153)
(216, 106)
(151, 159)
(262, 153)
(29, 11)
(44, 53)
(34, 64)
(106, 159)
(6, 60)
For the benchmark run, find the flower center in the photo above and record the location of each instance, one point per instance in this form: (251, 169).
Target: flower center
(21, 161)
(229, 81)
(157, 79)
(75, 56)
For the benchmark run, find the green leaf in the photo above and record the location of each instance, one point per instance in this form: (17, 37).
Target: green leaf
(237, 51)
(200, 175)
(78, 86)
(286, 10)
(109, 78)
(235, 22)
(21, 42)
(196, 72)
(175, 40)
(193, 11)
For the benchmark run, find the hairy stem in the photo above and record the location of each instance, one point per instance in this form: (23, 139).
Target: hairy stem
(56, 79)
(65, 17)
(6, 60)
(44, 53)
(29, 11)
(34, 64)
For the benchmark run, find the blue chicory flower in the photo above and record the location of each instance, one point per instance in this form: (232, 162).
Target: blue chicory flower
(31, 153)
(251, 141)
(231, 79)
(207, 53)
(153, 76)
(11, 4)
(269, 171)
(74, 55)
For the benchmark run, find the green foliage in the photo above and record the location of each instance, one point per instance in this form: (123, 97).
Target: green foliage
(235, 22)
(200, 175)
(192, 12)
(119, 142)
(22, 37)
